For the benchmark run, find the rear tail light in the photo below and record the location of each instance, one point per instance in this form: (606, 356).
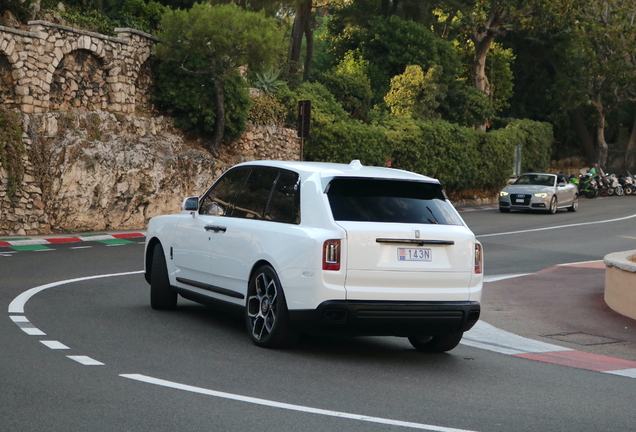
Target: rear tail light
(331, 255)
(479, 259)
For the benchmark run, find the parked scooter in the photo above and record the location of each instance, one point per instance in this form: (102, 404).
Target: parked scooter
(627, 182)
(614, 187)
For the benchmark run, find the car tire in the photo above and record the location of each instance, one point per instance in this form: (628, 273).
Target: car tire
(575, 204)
(553, 205)
(266, 314)
(436, 344)
(162, 296)
(504, 210)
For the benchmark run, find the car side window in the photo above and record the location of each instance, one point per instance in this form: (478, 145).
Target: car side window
(253, 197)
(219, 199)
(284, 203)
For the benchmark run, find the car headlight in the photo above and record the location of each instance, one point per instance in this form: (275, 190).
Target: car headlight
(502, 193)
(541, 195)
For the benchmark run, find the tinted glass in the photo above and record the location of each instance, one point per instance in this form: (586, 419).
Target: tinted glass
(251, 201)
(284, 204)
(536, 179)
(220, 197)
(376, 200)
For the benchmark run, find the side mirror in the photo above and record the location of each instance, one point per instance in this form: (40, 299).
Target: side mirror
(190, 204)
(561, 185)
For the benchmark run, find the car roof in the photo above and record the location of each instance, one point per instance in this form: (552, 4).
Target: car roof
(330, 170)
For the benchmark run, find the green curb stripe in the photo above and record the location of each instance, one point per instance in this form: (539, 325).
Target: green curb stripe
(115, 241)
(14, 238)
(29, 247)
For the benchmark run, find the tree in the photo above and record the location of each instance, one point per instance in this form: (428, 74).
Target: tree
(216, 41)
(415, 94)
(602, 61)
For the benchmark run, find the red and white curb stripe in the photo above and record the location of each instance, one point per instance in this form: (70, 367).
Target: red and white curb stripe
(490, 338)
(77, 239)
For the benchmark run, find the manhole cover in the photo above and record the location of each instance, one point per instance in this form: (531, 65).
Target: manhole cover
(582, 338)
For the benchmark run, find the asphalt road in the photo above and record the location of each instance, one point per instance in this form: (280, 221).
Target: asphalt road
(195, 368)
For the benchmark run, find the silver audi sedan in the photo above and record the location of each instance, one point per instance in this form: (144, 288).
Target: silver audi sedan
(545, 192)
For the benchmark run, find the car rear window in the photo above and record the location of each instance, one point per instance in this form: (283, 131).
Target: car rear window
(380, 200)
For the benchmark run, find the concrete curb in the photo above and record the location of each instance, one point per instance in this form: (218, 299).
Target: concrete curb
(38, 240)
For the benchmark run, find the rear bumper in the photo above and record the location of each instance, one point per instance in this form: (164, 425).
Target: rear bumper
(382, 318)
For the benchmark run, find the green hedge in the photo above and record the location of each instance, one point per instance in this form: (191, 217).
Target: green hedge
(347, 140)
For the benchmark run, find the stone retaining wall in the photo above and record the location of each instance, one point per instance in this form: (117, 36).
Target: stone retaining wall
(91, 171)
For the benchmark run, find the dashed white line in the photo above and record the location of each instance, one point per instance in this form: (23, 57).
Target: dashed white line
(55, 345)
(19, 319)
(85, 360)
(292, 407)
(33, 331)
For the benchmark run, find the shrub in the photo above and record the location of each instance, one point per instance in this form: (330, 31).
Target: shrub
(346, 140)
(11, 150)
(267, 110)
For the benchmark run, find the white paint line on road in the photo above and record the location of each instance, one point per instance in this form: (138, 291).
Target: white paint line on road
(558, 227)
(17, 305)
(81, 247)
(32, 331)
(19, 319)
(488, 337)
(630, 373)
(496, 278)
(86, 361)
(55, 345)
(281, 405)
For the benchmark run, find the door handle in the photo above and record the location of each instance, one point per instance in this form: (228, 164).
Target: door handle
(215, 228)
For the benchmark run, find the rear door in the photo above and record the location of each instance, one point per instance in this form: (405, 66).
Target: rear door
(404, 241)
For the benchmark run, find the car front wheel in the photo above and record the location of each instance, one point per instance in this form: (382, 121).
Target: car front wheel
(266, 312)
(575, 204)
(162, 296)
(436, 344)
(553, 205)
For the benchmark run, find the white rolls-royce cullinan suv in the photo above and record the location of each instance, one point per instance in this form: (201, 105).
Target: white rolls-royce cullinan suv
(322, 247)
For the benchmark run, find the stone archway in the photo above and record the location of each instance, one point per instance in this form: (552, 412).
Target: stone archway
(79, 81)
(8, 96)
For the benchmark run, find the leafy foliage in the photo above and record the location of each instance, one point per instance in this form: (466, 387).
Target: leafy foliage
(347, 140)
(267, 110)
(11, 150)
(349, 83)
(414, 94)
(191, 99)
(268, 81)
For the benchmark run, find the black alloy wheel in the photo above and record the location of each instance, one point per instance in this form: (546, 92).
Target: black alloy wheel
(266, 314)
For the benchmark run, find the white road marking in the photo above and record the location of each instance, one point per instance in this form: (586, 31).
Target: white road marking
(281, 405)
(55, 345)
(496, 278)
(81, 247)
(44, 250)
(488, 337)
(32, 331)
(558, 227)
(86, 361)
(19, 319)
(631, 373)
(17, 305)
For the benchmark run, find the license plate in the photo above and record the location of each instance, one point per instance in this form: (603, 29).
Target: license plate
(413, 254)
(519, 200)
